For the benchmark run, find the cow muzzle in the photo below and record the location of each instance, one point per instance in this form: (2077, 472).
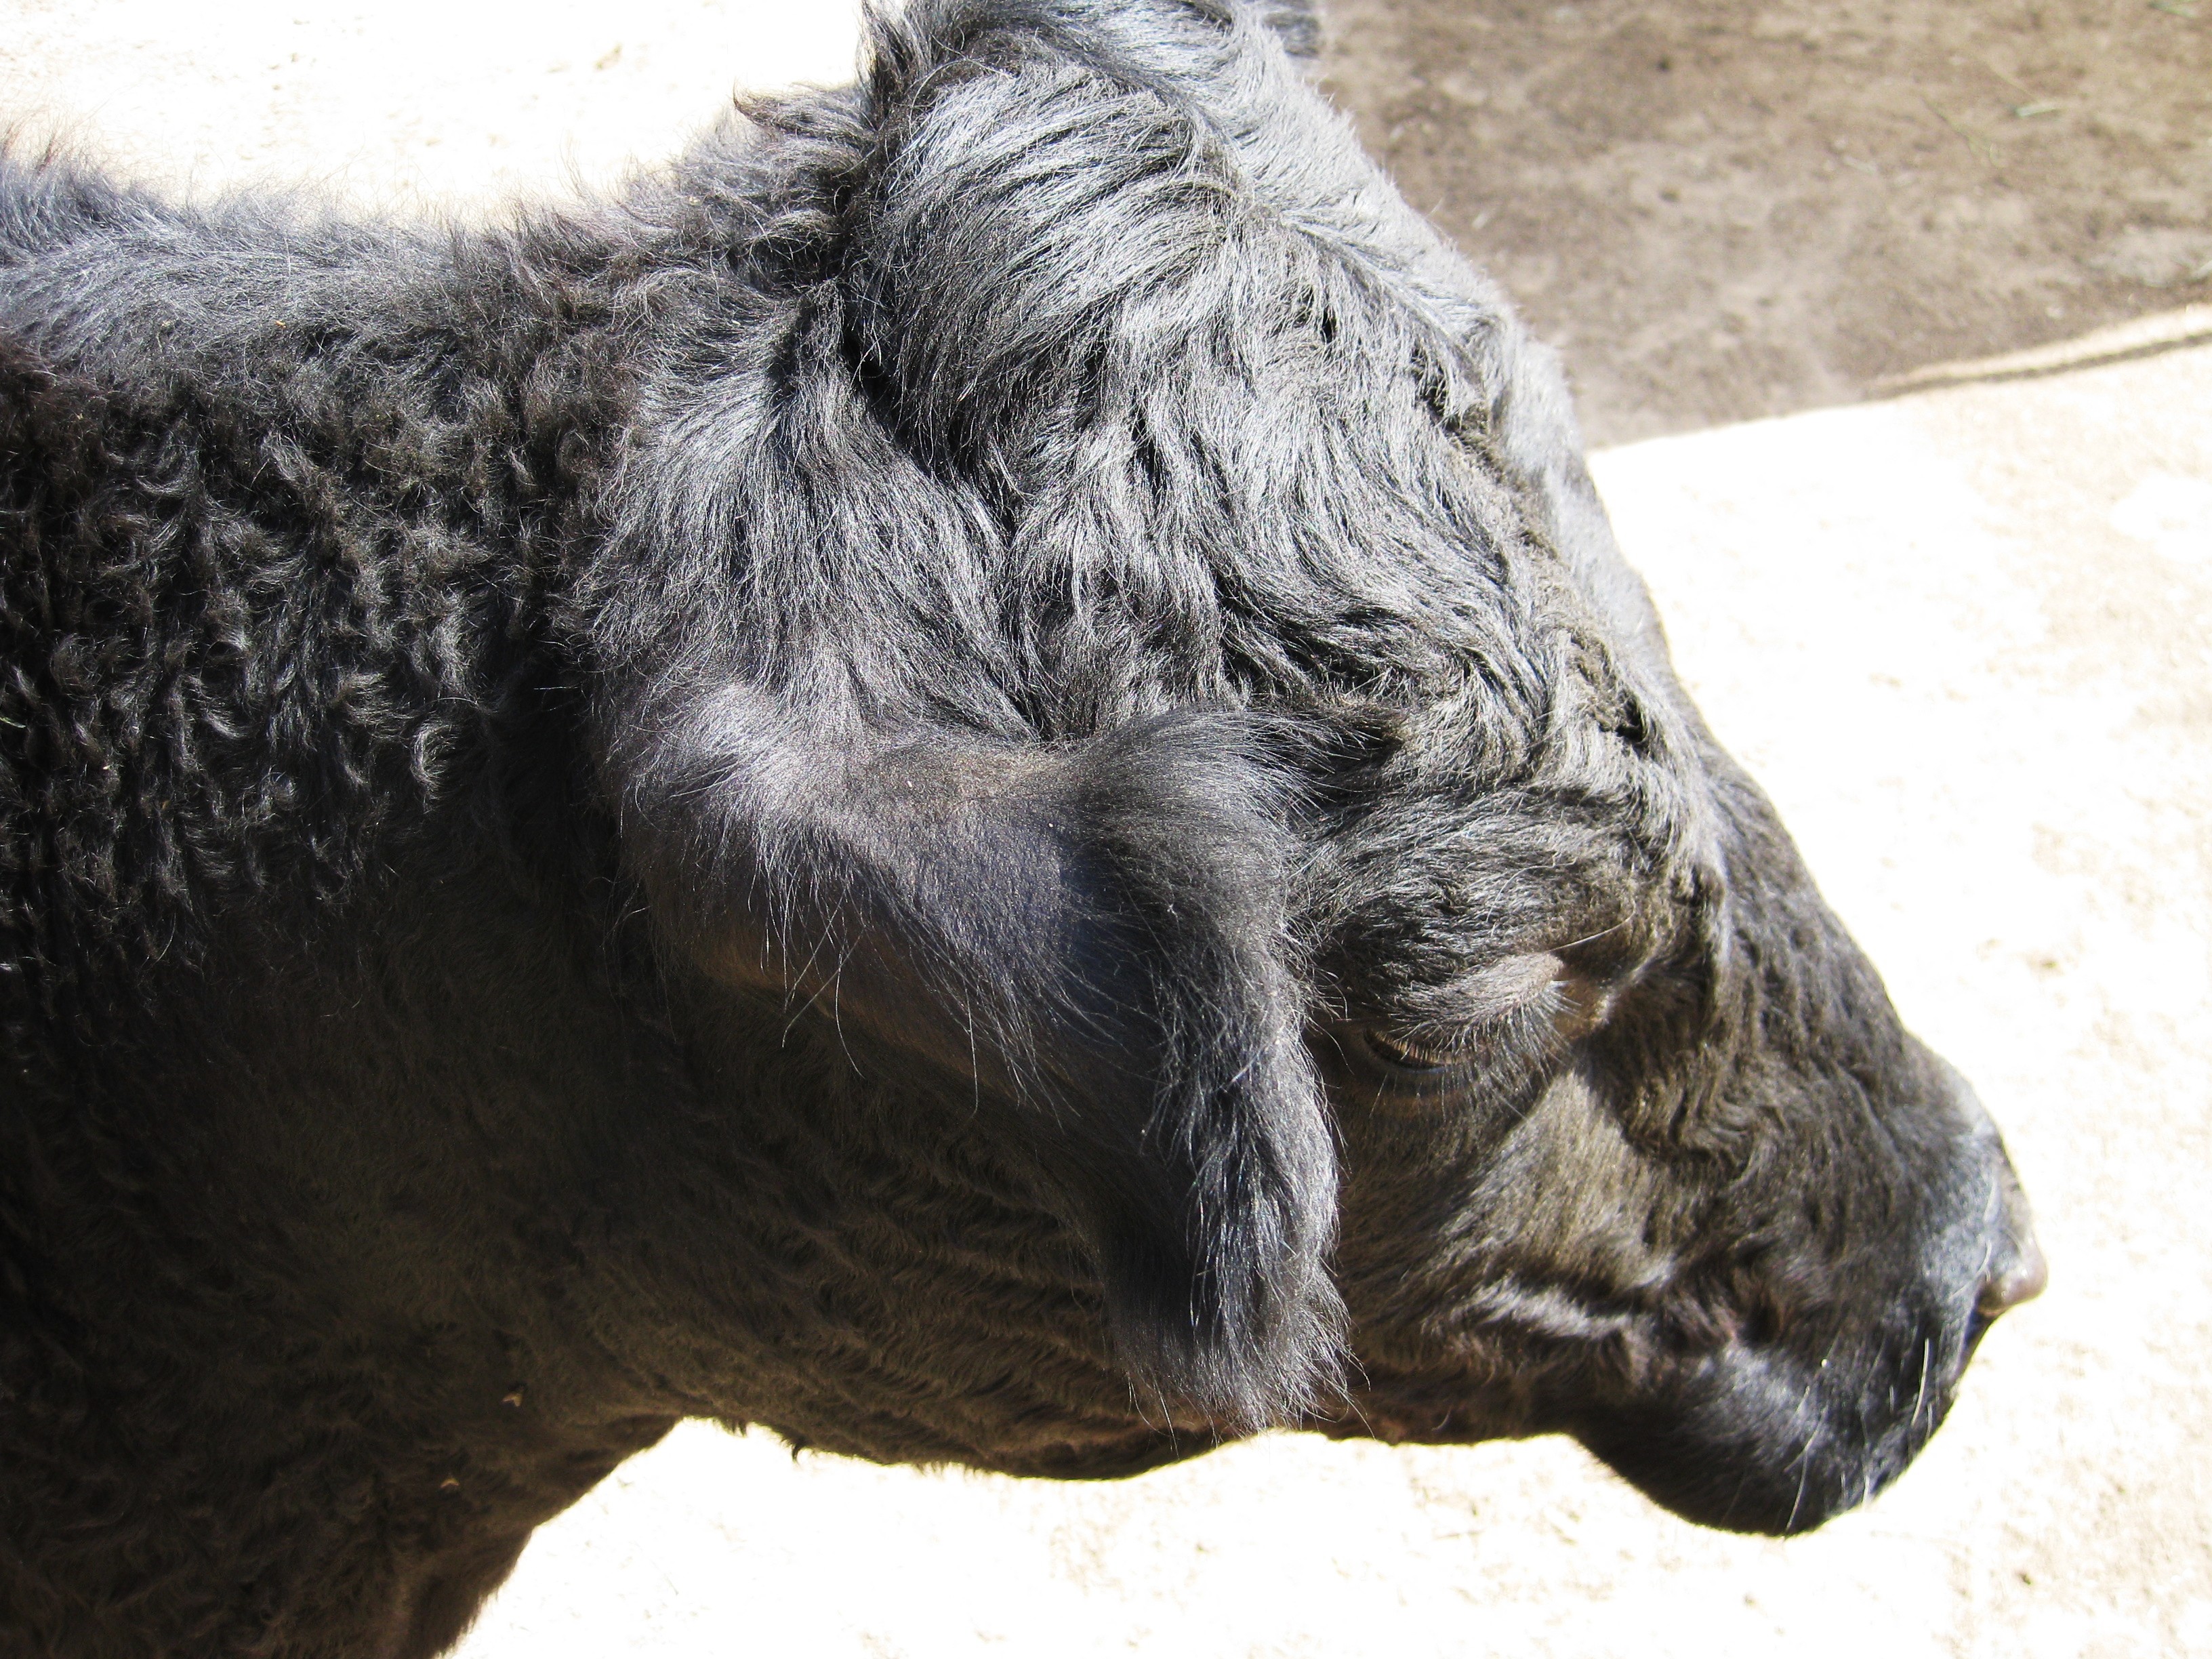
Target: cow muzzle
(1777, 1436)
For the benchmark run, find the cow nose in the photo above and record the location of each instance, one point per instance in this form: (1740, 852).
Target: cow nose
(2021, 1272)
(2020, 1281)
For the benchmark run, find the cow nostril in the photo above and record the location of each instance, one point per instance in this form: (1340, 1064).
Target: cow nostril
(2021, 1280)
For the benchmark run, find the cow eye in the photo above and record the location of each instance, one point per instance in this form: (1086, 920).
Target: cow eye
(1405, 1054)
(1521, 1010)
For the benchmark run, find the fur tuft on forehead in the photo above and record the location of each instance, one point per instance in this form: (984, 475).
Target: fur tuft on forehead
(1129, 386)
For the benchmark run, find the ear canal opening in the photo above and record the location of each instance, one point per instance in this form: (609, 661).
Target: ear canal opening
(1099, 931)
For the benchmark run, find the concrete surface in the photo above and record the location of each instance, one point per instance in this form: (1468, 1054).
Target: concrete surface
(1963, 638)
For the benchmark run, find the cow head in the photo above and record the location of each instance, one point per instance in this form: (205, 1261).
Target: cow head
(1166, 815)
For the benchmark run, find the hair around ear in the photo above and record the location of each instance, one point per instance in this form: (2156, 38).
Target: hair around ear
(1097, 931)
(1298, 23)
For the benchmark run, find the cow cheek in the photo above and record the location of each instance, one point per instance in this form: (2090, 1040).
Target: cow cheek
(1534, 1256)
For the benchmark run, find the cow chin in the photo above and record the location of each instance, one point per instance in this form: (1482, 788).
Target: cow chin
(1749, 1437)
(1757, 1442)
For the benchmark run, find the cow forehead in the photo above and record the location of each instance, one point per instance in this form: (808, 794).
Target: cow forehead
(1148, 389)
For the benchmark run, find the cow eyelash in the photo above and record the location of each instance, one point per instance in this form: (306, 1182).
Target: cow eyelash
(1405, 1054)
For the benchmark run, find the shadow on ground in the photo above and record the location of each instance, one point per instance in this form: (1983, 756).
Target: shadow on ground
(1720, 210)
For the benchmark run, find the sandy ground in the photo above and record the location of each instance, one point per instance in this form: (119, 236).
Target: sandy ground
(1726, 208)
(1961, 636)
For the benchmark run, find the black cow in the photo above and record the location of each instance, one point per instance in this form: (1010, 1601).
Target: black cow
(973, 777)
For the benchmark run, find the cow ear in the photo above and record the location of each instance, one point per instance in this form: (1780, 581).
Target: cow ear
(1098, 930)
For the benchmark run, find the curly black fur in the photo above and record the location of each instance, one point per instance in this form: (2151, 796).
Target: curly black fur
(973, 777)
